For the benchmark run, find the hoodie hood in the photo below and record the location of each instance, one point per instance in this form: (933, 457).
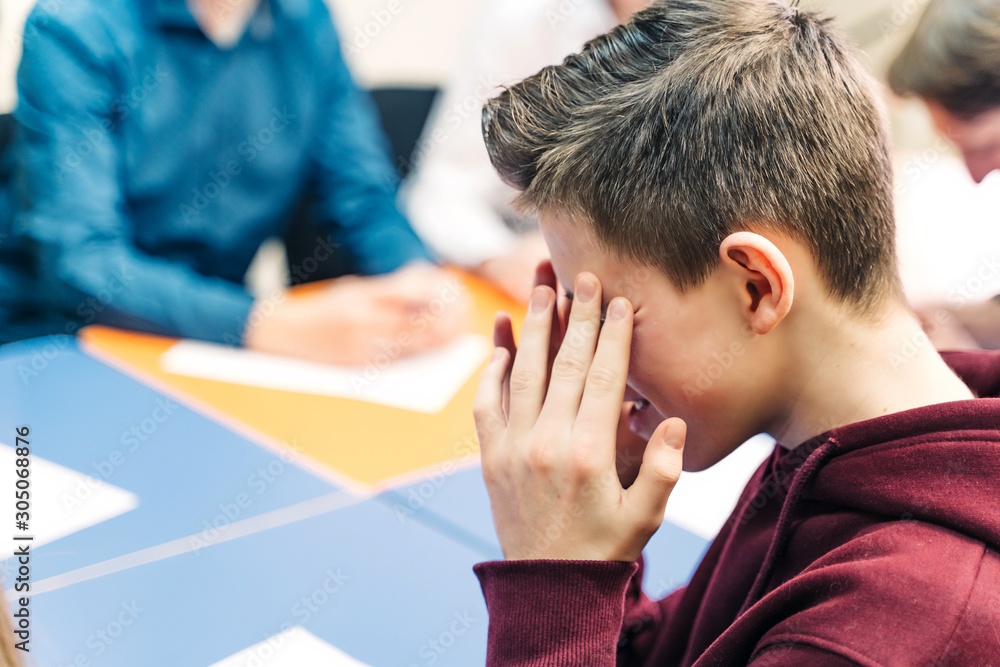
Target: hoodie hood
(938, 464)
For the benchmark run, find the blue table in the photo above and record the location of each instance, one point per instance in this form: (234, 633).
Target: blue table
(231, 543)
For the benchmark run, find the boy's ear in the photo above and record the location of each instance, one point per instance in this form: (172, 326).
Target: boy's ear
(768, 286)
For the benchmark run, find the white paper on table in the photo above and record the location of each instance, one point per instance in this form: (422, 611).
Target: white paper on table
(295, 647)
(422, 383)
(702, 501)
(63, 501)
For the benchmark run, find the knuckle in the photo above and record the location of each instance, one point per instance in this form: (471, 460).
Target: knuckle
(522, 381)
(491, 476)
(540, 458)
(583, 466)
(568, 368)
(667, 476)
(484, 427)
(488, 421)
(583, 313)
(481, 414)
(602, 380)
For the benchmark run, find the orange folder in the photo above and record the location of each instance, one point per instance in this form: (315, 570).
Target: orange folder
(361, 446)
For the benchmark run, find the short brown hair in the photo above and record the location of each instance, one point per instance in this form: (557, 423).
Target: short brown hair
(699, 118)
(953, 57)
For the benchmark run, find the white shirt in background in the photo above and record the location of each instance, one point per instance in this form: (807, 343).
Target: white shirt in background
(454, 199)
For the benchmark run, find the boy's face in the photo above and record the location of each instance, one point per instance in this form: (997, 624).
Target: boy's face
(690, 355)
(977, 138)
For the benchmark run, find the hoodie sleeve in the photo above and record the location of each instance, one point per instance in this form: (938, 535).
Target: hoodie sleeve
(569, 613)
(645, 622)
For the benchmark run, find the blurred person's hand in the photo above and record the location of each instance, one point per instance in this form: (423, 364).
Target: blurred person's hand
(982, 321)
(357, 320)
(514, 273)
(968, 327)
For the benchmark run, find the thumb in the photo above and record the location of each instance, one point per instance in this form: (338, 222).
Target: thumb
(661, 468)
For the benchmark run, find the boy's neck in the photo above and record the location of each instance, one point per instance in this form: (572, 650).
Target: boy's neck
(855, 373)
(223, 21)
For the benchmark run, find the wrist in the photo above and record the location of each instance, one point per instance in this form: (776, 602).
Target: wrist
(262, 328)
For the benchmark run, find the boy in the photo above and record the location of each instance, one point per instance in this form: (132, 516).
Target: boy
(713, 179)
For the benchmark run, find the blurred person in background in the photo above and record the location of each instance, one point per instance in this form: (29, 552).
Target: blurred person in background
(158, 143)
(454, 198)
(952, 63)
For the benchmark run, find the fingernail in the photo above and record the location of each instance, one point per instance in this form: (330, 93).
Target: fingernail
(671, 437)
(585, 290)
(617, 309)
(497, 353)
(540, 300)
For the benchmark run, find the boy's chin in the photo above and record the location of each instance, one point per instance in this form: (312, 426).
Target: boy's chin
(694, 462)
(701, 453)
(637, 426)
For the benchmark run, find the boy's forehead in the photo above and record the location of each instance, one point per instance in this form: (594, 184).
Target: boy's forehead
(566, 232)
(574, 249)
(569, 245)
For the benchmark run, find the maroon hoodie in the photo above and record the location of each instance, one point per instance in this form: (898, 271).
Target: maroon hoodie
(873, 544)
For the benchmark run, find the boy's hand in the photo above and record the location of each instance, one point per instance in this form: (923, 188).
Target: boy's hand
(549, 457)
